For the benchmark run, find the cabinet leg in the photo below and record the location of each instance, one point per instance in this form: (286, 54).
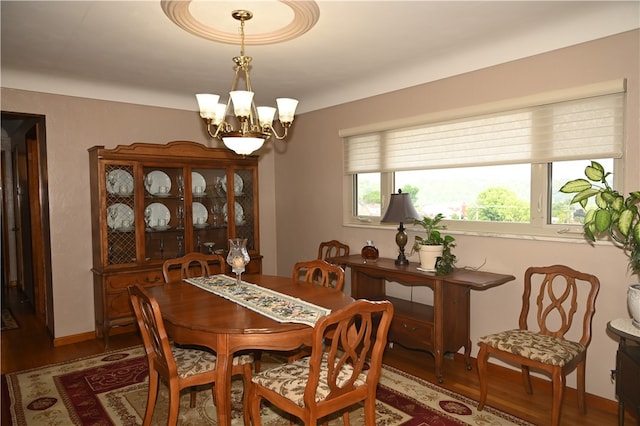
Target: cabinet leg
(439, 356)
(620, 413)
(467, 355)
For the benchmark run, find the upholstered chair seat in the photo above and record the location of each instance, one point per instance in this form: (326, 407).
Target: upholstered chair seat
(289, 380)
(534, 346)
(190, 361)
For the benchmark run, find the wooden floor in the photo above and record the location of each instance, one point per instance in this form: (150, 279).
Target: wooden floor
(30, 347)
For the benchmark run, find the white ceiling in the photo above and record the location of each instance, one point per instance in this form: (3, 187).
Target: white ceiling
(130, 51)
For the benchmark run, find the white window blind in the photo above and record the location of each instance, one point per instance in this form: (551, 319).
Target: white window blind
(590, 127)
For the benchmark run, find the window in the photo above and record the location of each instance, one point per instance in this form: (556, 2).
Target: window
(495, 171)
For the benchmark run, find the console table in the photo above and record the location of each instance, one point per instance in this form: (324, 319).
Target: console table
(627, 367)
(443, 327)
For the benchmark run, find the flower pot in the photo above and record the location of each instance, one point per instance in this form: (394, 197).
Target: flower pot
(633, 302)
(429, 256)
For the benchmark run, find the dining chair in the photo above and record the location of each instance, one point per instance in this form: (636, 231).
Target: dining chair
(181, 367)
(562, 291)
(319, 272)
(333, 248)
(193, 265)
(334, 378)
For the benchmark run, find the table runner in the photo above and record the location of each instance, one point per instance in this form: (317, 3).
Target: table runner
(272, 304)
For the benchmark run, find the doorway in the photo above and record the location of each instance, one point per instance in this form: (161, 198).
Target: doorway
(26, 242)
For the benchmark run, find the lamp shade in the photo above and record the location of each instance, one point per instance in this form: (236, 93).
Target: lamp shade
(242, 145)
(400, 209)
(241, 102)
(286, 109)
(207, 103)
(265, 116)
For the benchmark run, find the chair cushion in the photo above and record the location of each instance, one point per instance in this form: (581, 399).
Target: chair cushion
(194, 361)
(534, 346)
(289, 380)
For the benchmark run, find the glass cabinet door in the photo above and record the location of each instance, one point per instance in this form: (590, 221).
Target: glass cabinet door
(208, 203)
(164, 212)
(177, 210)
(244, 206)
(120, 214)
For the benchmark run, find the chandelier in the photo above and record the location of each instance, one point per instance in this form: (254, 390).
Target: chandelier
(254, 125)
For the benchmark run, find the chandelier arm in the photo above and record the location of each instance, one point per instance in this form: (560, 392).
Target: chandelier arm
(213, 135)
(276, 135)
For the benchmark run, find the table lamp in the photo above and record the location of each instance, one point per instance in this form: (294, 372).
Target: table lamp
(400, 210)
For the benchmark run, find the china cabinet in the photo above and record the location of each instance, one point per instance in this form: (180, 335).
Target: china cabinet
(152, 202)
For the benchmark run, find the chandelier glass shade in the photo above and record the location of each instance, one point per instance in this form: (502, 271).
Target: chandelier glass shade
(254, 125)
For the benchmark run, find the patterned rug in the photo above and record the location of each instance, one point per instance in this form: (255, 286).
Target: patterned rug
(110, 389)
(8, 320)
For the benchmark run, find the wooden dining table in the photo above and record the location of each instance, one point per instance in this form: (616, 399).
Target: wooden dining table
(195, 316)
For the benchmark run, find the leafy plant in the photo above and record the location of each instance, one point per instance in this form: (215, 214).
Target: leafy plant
(614, 215)
(434, 237)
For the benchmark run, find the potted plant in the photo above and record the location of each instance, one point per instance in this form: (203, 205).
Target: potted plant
(434, 249)
(615, 216)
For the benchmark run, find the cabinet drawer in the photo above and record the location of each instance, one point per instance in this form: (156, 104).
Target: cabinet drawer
(122, 281)
(411, 333)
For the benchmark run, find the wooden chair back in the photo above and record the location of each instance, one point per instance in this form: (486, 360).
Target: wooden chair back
(561, 293)
(193, 265)
(333, 248)
(354, 336)
(154, 335)
(319, 272)
(343, 370)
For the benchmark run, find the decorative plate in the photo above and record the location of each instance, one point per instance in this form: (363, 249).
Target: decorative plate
(119, 182)
(197, 180)
(238, 184)
(117, 216)
(239, 213)
(155, 213)
(156, 179)
(199, 211)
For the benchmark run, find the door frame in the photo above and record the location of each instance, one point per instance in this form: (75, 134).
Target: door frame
(27, 134)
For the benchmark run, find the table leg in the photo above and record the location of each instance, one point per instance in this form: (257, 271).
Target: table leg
(223, 381)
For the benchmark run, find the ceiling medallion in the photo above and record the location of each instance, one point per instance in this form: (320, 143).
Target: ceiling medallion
(306, 14)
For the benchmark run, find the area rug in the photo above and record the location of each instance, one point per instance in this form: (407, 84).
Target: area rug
(111, 388)
(8, 320)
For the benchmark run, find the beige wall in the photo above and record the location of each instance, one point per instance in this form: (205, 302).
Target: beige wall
(310, 180)
(72, 126)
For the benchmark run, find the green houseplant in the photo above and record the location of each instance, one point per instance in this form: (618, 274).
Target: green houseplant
(615, 216)
(444, 259)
